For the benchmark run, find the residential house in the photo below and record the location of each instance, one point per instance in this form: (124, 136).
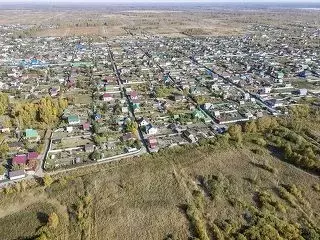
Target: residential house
(135, 104)
(143, 122)
(86, 126)
(198, 114)
(97, 117)
(178, 97)
(32, 155)
(107, 97)
(20, 159)
(4, 129)
(303, 92)
(89, 147)
(133, 95)
(54, 92)
(151, 130)
(69, 129)
(31, 135)
(189, 136)
(124, 110)
(152, 144)
(16, 146)
(128, 136)
(73, 120)
(15, 175)
(274, 103)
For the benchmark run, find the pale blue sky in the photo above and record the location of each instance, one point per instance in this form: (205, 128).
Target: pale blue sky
(155, 1)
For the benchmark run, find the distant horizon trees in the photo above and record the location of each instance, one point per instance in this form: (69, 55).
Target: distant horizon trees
(42, 113)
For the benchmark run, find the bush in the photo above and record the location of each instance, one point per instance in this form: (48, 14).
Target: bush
(260, 142)
(257, 151)
(216, 232)
(53, 220)
(284, 194)
(266, 200)
(47, 180)
(197, 222)
(316, 187)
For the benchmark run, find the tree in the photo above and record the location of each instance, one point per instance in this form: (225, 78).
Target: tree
(3, 170)
(264, 123)
(131, 126)
(42, 236)
(97, 140)
(53, 220)
(250, 127)
(95, 155)
(95, 128)
(287, 150)
(47, 180)
(4, 102)
(4, 149)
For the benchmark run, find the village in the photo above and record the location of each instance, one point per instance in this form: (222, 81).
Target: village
(138, 94)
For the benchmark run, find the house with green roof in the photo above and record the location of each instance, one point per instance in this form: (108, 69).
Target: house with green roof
(73, 120)
(198, 114)
(31, 135)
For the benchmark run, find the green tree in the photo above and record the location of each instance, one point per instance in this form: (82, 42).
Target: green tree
(47, 180)
(3, 170)
(4, 102)
(287, 150)
(42, 236)
(132, 126)
(264, 123)
(95, 155)
(235, 133)
(4, 149)
(250, 127)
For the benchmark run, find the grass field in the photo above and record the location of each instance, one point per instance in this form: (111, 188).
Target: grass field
(146, 198)
(108, 24)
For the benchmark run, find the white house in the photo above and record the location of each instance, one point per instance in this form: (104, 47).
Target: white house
(151, 130)
(143, 122)
(69, 129)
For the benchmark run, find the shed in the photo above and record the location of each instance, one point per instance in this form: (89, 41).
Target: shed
(14, 175)
(73, 120)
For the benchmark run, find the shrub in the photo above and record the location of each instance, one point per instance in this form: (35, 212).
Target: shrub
(316, 187)
(216, 232)
(197, 222)
(266, 200)
(260, 142)
(47, 180)
(284, 194)
(53, 220)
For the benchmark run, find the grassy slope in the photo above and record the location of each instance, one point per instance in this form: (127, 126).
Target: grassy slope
(144, 198)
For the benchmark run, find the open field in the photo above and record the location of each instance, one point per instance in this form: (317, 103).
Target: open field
(169, 23)
(146, 198)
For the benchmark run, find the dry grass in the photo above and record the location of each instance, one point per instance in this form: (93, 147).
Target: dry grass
(168, 23)
(143, 198)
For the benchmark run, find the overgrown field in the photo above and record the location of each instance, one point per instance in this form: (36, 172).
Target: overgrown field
(201, 192)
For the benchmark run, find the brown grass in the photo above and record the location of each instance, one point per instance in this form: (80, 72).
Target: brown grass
(142, 198)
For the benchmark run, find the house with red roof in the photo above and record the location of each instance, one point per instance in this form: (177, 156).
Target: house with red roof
(32, 155)
(86, 126)
(24, 158)
(20, 159)
(133, 95)
(107, 97)
(153, 144)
